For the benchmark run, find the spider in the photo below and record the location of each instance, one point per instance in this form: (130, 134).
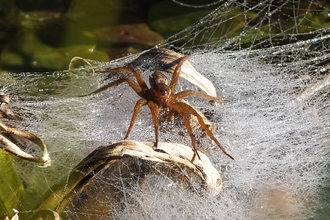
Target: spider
(161, 95)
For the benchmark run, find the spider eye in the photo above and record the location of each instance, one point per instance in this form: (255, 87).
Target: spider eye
(162, 89)
(164, 92)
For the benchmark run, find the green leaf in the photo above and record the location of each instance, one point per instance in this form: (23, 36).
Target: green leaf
(12, 190)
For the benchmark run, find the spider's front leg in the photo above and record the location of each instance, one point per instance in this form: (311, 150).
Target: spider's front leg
(137, 109)
(154, 108)
(183, 107)
(190, 132)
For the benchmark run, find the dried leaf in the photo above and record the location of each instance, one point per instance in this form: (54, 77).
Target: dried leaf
(10, 137)
(169, 154)
(316, 87)
(165, 60)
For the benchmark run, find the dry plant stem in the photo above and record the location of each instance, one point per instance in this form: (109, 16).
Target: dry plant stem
(162, 95)
(310, 91)
(10, 137)
(74, 59)
(9, 146)
(175, 155)
(187, 93)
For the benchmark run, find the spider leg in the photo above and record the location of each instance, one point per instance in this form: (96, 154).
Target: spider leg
(136, 73)
(154, 108)
(176, 73)
(190, 132)
(171, 114)
(186, 93)
(137, 109)
(130, 82)
(185, 107)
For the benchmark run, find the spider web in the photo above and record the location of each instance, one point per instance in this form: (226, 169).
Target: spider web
(277, 127)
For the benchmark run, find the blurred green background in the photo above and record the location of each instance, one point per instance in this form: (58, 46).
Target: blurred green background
(43, 35)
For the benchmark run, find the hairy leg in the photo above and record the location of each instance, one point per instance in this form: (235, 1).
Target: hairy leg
(130, 82)
(190, 132)
(136, 73)
(187, 93)
(176, 73)
(171, 114)
(185, 107)
(137, 109)
(154, 113)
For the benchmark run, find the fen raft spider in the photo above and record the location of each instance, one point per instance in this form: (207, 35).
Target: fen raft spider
(161, 95)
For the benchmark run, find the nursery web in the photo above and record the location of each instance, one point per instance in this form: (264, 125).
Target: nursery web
(276, 74)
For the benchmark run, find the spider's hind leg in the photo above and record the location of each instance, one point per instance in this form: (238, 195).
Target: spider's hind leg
(190, 132)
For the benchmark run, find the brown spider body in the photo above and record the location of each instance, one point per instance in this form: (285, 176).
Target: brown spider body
(159, 92)
(161, 95)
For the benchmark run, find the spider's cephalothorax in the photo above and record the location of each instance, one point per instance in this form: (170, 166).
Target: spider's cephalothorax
(159, 92)
(161, 95)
